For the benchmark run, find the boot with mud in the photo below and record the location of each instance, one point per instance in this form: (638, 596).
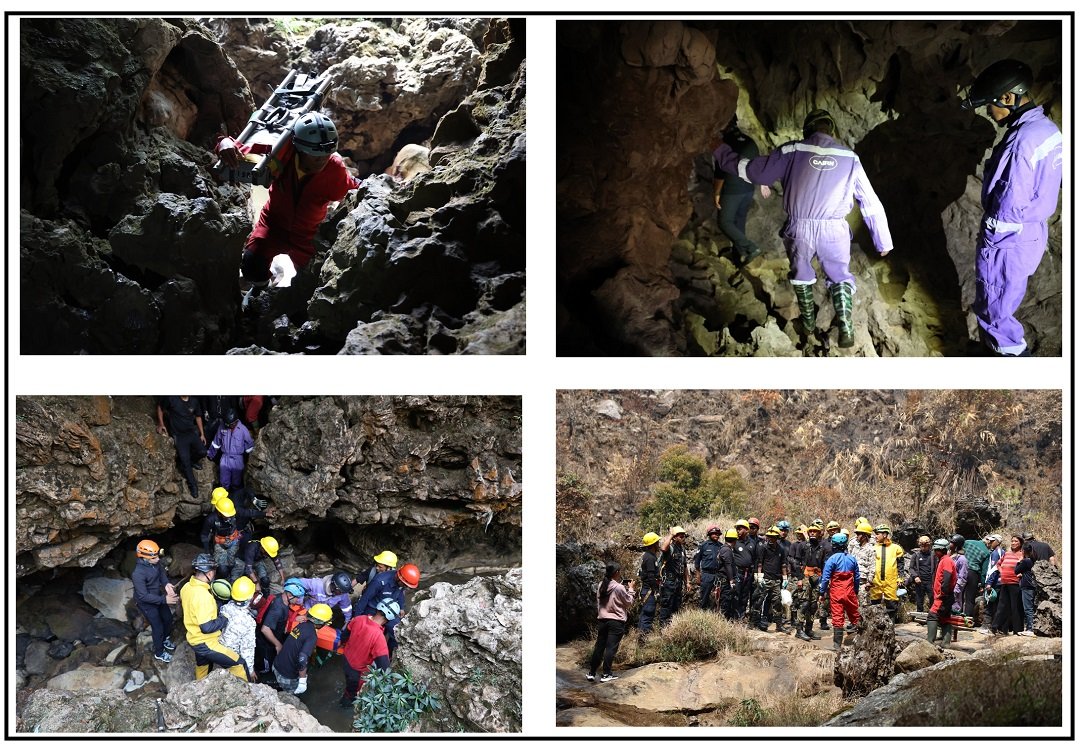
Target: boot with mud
(946, 635)
(804, 294)
(842, 304)
(837, 638)
(808, 630)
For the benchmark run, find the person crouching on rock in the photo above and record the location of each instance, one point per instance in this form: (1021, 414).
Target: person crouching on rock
(153, 595)
(204, 622)
(364, 642)
(940, 617)
(312, 176)
(840, 579)
(613, 599)
(291, 663)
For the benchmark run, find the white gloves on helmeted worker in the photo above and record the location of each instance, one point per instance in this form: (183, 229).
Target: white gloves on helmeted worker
(759, 579)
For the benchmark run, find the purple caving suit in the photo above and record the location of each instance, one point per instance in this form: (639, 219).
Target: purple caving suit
(315, 592)
(1021, 180)
(234, 444)
(820, 178)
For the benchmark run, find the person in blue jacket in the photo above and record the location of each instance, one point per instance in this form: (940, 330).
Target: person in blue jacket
(388, 584)
(840, 578)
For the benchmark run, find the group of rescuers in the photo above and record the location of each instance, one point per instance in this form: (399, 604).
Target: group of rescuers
(232, 620)
(828, 573)
(821, 177)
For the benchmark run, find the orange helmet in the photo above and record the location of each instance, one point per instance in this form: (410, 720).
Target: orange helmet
(147, 549)
(409, 575)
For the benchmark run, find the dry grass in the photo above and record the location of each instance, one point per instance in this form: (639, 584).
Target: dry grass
(786, 709)
(692, 635)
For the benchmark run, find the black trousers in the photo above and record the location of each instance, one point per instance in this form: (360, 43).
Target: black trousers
(671, 595)
(1010, 609)
(971, 590)
(189, 450)
(608, 635)
(160, 618)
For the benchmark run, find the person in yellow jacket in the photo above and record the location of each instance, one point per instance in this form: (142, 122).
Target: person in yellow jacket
(888, 564)
(204, 623)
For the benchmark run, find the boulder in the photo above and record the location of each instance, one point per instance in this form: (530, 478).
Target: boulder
(868, 663)
(178, 672)
(918, 654)
(72, 625)
(37, 658)
(578, 570)
(464, 644)
(87, 712)
(1047, 599)
(110, 596)
(90, 677)
(61, 649)
(610, 409)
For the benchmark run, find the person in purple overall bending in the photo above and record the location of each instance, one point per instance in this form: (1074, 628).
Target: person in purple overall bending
(820, 177)
(1021, 181)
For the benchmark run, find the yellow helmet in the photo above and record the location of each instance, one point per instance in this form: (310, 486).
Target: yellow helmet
(386, 558)
(832, 525)
(801, 530)
(270, 545)
(742, 523)
(217, 495)
(650, 539)
(243, 589)
(864, 527)
(772, 532)
(731, 534)
(675, 530)
(321, 613)
(225, 507)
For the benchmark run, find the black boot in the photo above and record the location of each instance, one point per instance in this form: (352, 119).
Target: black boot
(837, 638)
(842, 304)
(931, 630)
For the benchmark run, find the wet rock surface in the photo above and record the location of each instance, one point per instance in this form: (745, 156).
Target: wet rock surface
(464, 642)
(650, 274)
(129, 245)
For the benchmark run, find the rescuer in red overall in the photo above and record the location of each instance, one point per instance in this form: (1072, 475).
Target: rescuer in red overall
(840, 579)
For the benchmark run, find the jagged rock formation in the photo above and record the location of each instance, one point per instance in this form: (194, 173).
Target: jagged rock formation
(1047, 599)
(218, 703)
(92, 476)
(578, 572)
(892, 87)
(869, 662)
(464, 643)
(942, 694)
(129, 245)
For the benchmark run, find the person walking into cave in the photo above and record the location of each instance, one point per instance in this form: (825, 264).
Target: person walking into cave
(733, 196)
(311, 176)
(204, 623)
(1021, 181)
(674, 573)
(920, 572)
(233, 442)
(649, 573)
(239, 634)
(708, 573)
(221, 532)
(940, 619)
(840, 581)
(390, 584)
(1009, 617)
(364, 647)
(291, 663)
(186, 428)
(154, 595)
(888, 565)
(260, 556)
(613, 599)
(821, 177)
(274, 623)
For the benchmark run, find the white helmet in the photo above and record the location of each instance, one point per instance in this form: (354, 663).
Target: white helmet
(315, 135)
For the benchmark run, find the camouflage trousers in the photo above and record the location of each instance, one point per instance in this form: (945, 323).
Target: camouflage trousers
(805, 600)
(765, 603)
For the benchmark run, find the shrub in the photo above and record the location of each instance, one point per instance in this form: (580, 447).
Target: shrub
(391, 701)
(689, 491)
(693, 635)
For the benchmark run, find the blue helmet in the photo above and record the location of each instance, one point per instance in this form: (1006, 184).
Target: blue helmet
(839, 540)
(785, 524)
(389, 607)
(295, 587)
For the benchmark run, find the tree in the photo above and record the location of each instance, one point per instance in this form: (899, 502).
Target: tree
(688, 490)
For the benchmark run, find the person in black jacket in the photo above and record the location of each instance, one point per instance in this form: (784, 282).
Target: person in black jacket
(728, 583)
(650, 581)
(817, 552)
(223, 531)
(733, 196)
(707, 570)
(772, 570)
(674, 573)
(796, 564)
(153, 594)
(186, 429)
(921, 573)
(744, 557)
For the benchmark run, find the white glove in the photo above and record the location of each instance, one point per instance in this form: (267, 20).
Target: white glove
(759, 578)
(302, 687)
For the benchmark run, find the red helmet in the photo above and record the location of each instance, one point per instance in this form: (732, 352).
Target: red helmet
(754, 521)
(409, 575)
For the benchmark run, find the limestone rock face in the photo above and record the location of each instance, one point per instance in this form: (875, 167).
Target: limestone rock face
(869, 662)
(464, 643)
(624, 202)
(941, 695)
(92, 473)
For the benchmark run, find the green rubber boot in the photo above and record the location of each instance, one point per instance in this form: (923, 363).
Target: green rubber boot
(804, 294)
(946, 635)
(931, 631)
(837, 638)
(841, 299)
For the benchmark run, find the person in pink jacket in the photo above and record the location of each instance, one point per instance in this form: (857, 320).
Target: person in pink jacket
(1021, 181)
(821, 177)
(613, 599)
